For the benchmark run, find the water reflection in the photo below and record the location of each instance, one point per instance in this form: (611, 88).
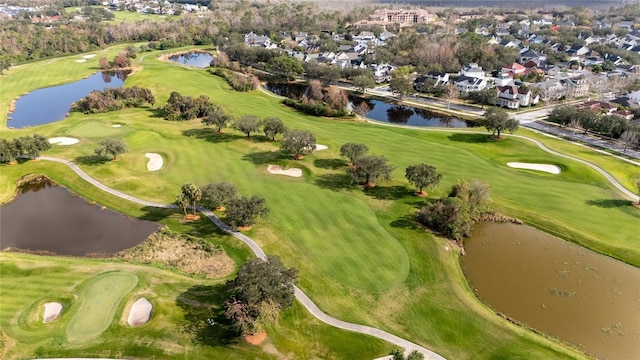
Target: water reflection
(379, 109)
(195, 58)
(50, 218)
(51, 104)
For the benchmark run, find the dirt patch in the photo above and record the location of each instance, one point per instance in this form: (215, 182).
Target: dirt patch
(191, 217)
(421, 193)
(245, 228)
(181, 252)
(256, 339)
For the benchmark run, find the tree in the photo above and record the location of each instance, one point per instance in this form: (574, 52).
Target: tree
(353, 151)
(273, 126)
(363, 82)
(422, 175)
(400, 83)
(218, 195)
(247, 124)
(217, 117)
(111, 146)
(315, 90)
(260, 290)
(498, 120)
(261, 280)
(182, 202)
(286, 66)
(397, 354)
(298, 142)
(192, 194)
(362, 109)
(242, 212)
(476, 194)
(629, 138)
(451, 93)
(370, 168)
(8, 151)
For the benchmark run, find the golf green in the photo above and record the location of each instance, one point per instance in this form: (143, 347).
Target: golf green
(99, 300)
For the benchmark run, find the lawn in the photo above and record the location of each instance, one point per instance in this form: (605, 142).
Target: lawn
(100, 299)
(361, 257)
(177, 329)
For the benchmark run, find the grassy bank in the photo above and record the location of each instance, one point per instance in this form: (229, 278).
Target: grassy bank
(360, 256)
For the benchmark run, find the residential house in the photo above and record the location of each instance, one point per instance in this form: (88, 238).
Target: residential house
(252, 39)
(382, 72)
(513, 97)
(483, 30)
(625, 25)
(503, 79)
(515, 44)
(551, 90)
(514, 69)
(441, 78)
(576, 86)
(577, 52)
(529, 55)
(543, 22)
(365, 37)
(467, 84)
(598, 106)
(473, 70)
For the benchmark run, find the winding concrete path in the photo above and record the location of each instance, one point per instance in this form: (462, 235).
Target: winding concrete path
(257, 250)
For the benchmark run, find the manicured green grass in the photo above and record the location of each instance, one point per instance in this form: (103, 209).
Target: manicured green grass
(177, 329)
(360, 255)
(99, 301)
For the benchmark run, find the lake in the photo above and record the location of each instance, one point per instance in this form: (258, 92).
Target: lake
(51, 104)
(196, 58)
(381, 110)
(52, 219)
(561, 288)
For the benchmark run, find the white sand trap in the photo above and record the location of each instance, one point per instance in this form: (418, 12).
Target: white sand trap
(155, 161)
(321, 147)
(63, 141)
(81, 60)
(51, 311)
(140, 312)
(116, 125)
(89, 56)
(278, 170)
(551, 169)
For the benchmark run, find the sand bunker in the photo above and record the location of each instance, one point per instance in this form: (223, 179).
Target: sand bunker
(116, 125)
(155, 161)
(63, 141)
(51, 311)
(321, 147)
(89, 56)
(140, 312)
(81, 60)
(551, 169)
(278, 170)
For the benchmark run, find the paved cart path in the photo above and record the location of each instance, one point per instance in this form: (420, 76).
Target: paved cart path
(257, 250)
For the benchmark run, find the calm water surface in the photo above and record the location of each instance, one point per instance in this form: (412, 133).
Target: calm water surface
(197, 59)
(51, 104)
(53, 219)
(563, 289)
(381, 110)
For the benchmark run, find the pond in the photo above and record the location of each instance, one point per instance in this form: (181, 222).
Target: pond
(196, 58)
(51, 104)
(563, 289)
(52, 219)
(381, 110)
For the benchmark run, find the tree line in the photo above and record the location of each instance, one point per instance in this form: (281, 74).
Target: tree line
(587, 120)
(24, 146)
